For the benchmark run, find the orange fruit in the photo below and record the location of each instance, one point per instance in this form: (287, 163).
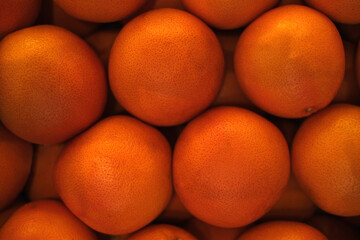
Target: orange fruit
(17, 14)
(15, 165)
(40, 184)
(230, 92)
(290, 61)
(230, 166)
(52, 84)
(166, 67)
(7, 212)
(334, 228)
(349, 91)
(162, 232)
(228, 14)
(345, 11)
(202, 230)
(282, 230)
(45, 219)
(116, 176)
(100, 10)
(174, 212)
(325, 159)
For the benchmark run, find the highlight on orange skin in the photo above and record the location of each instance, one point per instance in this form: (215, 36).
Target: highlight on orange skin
(202, 230)
(228, 14)
(163, 232)
(17, 14)
(6, 213)
(349, 91)
(165, 67)
(40, 184)
(16, 157)
(345, 11)
(101, 11)
(290, 61)
(45, 219)
(53, 85)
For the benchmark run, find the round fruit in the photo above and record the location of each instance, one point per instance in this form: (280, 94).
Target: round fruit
(17, 14)
(228, 14)
(282, 230)
(230, 166)
(344, 11)
(116, 176)
(15, 165)
(45, 219)
(166, 66)
(162, 232)
(100, 10)
(290, 61)
(52, 84)
(325, 159)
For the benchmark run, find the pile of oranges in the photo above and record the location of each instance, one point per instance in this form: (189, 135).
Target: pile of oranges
(179, 119)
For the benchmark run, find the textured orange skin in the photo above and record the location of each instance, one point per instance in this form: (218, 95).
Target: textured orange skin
(165, 67)
(116, 176)
(15, 164)
(7, 212)
(228, 14)
(344, 11)
(206, 231)
(290, 61)
(349, 91)
(162, 232)
(45, 219)
(174, 212)
(101, 11)
(17, 14)
(325, 159)
(52, 84)
(230, 166)
(282, 230)
(334, 228)
(40, 184)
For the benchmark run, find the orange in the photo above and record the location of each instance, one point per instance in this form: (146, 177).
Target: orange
(174, 212)
(230, 166)
(228, 14)
(52, 84)
(290, 61)
(166, 67)
(45, 219)
(116, 176)
(344, 11)
(17, 14)
(282, 230)
(204, 231)
(162, 232)
(7, 212)
(325, 159)
(230, 92)
(334, 228)
(15, 164)
(100, 10)
(349, 91)
(40, 184)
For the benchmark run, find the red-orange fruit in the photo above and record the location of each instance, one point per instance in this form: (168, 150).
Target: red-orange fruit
(52, 84)
(282, 230)
(344, 11)
(290, 61)
(349, 91)
(40, 184)
(100, 10)
(15, 165)
(17, 14)
(7, 212)
(116, 176)
(166, 67)
(325, 159)
(230, 166)
(228, 14)
(45, 219)
(162, 232)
